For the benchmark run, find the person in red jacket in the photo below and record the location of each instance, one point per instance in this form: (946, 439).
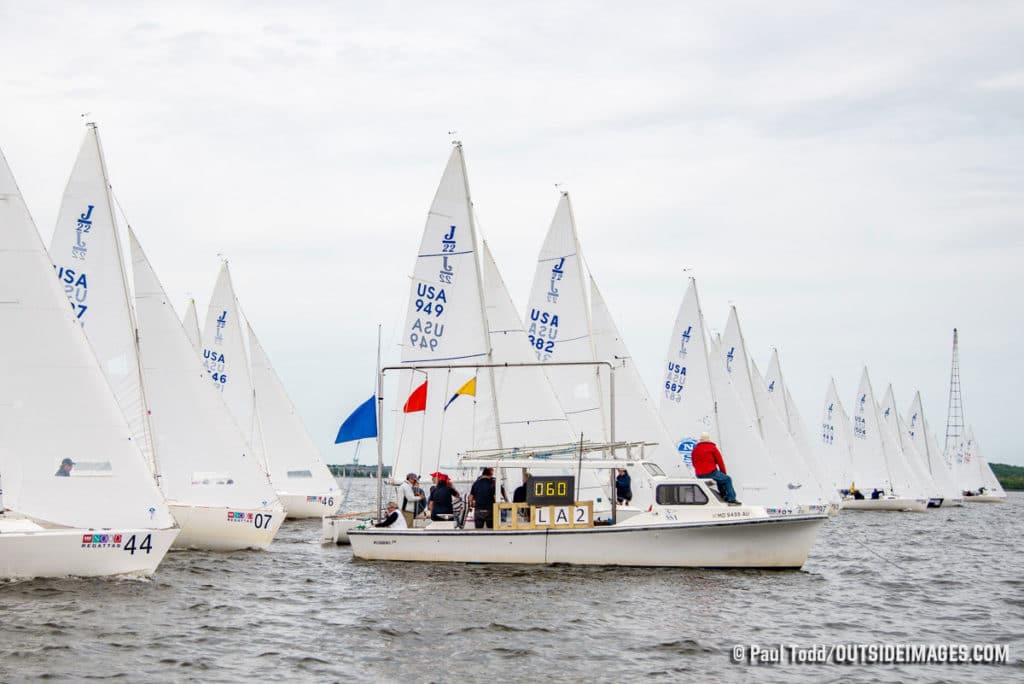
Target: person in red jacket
(708, 464)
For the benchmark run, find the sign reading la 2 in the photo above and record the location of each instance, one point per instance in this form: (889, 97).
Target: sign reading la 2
(554, 490)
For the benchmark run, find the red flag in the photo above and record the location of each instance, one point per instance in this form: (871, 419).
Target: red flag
(417, 401)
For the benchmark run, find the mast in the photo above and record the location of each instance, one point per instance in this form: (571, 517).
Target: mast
(782, 384)
(380, 426)
(955, 414)
(586, 307)
(146, 423)
(480, 292)
(750, 379)
(707, 366)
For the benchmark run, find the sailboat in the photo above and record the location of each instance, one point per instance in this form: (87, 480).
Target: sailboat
(216, 487)
(905, 449)
(786, 408)
(875, 464)
(569, 321)
(917, 428)
(258, 401)
(981, 483)
(836, 441)
(442, 343)
(76, 495)
(698, 396)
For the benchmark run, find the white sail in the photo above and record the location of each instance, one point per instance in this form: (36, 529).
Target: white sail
(558, 325)
(530, 413)
(445, 324)
(802, 486)
(904, 458)
(873, 466)
(737, 365)
(919, 433)
(836, 443)
(226, 359)
(296, 470)
(87, 255)
(636, 418)
(785, 406)
(55, 402)
(687, 404)
(754, 472)
(204, 458)
(980, 472)
(191, 324)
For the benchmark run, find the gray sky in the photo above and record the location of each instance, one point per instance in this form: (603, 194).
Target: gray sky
(850, 175)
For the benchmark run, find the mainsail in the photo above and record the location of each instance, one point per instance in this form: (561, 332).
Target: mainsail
(55, 402)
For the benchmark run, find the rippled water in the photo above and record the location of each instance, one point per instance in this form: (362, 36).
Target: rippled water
(303, 612)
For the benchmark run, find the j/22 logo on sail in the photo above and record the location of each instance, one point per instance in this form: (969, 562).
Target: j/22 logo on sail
(83, 226)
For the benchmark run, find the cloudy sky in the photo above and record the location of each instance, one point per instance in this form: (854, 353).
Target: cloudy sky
(849, 175)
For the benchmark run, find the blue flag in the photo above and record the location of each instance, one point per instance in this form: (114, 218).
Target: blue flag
(361, 424)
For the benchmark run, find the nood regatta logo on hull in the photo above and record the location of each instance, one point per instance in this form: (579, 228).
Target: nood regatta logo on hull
(326, 500)
(101, 541)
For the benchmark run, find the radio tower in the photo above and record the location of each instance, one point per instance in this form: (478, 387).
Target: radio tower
(955, 416)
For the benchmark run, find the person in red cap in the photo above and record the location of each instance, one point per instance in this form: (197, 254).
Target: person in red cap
(708, 463)
(441, 505)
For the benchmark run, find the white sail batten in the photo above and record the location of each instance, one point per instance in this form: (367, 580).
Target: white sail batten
(294, 462)
(558, 326)
(204, 456)
(87, 255)
(687, 404)
(55, 401)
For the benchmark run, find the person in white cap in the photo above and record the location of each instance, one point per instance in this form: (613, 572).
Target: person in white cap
(708, 463)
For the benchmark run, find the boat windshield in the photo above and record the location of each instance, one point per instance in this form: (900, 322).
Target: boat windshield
(681, 495)
(654, 469)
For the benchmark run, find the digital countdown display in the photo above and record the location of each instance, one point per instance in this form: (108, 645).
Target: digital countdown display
(555, 490)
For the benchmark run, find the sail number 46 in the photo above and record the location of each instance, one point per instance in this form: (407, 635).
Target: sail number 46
(145, 545)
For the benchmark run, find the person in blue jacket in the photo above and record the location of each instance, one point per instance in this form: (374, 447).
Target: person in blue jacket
(623, 487)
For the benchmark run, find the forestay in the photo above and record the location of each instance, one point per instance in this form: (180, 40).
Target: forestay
(55, 402)
(86, 253)
(204, 458)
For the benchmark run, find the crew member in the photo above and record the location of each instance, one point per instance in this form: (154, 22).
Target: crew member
(393, 519)
(410, 497)
(708, 463)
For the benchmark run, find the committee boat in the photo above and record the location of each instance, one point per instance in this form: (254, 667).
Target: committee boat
(689, 525)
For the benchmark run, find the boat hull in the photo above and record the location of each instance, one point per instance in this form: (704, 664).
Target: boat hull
(300, 506)
(763, 543)
(335, 527)
(65, 552)
(221, 528)
(985, 498)
(911, 505)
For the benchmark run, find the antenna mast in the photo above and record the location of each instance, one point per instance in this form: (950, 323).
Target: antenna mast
(955, 415)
